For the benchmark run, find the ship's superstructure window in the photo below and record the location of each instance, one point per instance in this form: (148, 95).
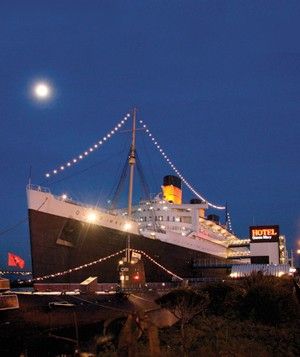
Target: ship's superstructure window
(186, 219)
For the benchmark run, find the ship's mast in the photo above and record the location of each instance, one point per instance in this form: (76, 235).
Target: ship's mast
(131, 163)
(131, 174)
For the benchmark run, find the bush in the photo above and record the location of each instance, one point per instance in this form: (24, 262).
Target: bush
(224, 298)
(269, 300)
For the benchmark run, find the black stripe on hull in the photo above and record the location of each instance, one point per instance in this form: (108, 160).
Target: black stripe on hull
(59, 243)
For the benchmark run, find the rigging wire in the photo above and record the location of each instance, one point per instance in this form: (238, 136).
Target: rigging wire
(120, 185)
(154, 178)
(164, 155)
(84, 170)
(119, 171)
(100, 260)
(109, 135)
(9, 229)
(144, 183)
(24, 220)
(89, 150)
(123, 176)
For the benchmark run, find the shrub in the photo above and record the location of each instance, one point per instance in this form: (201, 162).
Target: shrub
(269, 300)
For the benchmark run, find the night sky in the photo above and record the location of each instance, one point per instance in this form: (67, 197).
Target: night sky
(217, 82)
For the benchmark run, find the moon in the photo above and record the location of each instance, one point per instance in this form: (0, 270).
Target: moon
(42, 91)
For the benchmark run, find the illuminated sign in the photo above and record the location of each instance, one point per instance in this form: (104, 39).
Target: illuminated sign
(264, 234)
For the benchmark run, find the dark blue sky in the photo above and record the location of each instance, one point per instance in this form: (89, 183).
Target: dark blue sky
(218, 83)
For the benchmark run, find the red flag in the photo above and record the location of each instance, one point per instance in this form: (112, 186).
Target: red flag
(15, 261)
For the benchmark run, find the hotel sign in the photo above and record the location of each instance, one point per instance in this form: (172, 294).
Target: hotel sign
(264, 234)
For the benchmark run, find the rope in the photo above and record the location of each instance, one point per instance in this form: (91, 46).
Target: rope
(156, 263)
(6, 230)
(102, 260)
(78, 267)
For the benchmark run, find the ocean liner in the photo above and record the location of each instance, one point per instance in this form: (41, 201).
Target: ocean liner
(178, 238)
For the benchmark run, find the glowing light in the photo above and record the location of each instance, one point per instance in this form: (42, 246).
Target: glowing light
(42, 90)
(127, 226)
(91, 217)
(64, 196)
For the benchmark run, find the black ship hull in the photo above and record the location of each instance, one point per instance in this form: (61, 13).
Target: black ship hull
(59, 244)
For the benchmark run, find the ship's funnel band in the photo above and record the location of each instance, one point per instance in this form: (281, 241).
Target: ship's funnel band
(172, 180)
(172, 189)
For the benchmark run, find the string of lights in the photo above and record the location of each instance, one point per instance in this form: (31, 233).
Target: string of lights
(178, 173)
(156, 263)
(41, 278)
(229, 222)
(6, 272)
(91, 149)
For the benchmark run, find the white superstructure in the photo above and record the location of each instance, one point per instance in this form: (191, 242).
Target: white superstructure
(182, 225)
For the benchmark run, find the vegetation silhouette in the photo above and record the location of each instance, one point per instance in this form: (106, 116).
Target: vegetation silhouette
(184, 304)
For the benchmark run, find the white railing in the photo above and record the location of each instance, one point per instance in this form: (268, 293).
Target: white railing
(238, 254)
(38, 188)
